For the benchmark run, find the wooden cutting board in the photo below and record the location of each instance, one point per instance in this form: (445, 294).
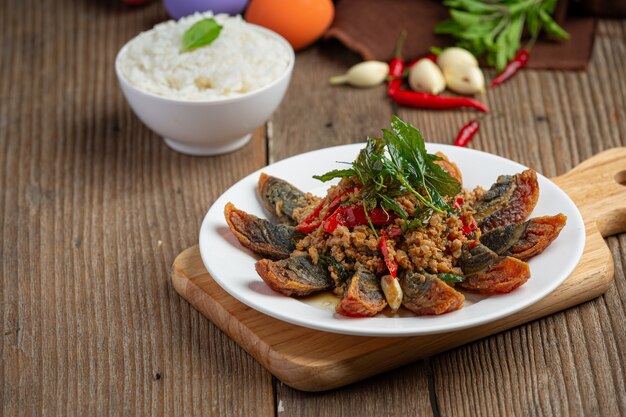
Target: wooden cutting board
(312, 360)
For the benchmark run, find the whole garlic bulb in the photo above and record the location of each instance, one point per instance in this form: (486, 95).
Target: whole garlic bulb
(464, 79)
(425, 76)
(456, 56)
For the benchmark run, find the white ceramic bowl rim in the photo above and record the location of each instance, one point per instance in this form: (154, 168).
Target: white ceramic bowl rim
(287, 45)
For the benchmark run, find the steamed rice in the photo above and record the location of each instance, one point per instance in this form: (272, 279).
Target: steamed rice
(239, 61)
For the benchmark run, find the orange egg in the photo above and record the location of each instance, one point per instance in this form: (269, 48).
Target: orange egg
(301, 22)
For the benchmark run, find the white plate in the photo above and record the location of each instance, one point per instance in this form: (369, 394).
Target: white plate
(232, 266)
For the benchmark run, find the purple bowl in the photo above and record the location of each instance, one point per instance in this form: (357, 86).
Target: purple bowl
(180, 8)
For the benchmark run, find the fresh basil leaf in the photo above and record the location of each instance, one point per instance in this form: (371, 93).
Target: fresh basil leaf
(423, 215)
(449, 27)
(549, 6)
(201, 33)
(473, 6)
(500, 56)
(495, 28)
(464, 19)
(532, 23)
(514, 36)
(411, 143)
(441, 180)
(550, 26)
(330, 261)
(521, 7)
(337, 173)
(450, 278)
(398, 164)
(389, 203)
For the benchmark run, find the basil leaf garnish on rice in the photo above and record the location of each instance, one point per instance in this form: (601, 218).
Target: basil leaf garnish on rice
(201, 33)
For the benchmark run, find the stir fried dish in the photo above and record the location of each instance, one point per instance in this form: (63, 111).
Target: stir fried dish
(398, 229)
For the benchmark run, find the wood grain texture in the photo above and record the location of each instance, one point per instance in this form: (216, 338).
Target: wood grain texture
(93, 209)
(571, 363)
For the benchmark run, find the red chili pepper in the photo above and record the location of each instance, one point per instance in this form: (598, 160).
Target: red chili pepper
(518, 62)
(392, 264)
(337, 200)
(307, 224)
(430, 101)
(332, 222)
(308, 228)
(468, 229)
(394, 232)
(466, 133)
(396, 66)
(352, 216)
(314, 215)
(458, 203)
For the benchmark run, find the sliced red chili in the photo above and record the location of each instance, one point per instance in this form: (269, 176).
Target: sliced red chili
(458, 203)
(315, 214)
(333, 221)
(468, 229)
(351, 216)
(355, 216)
(308, 228)
(394, 232)
(310, 220)
(337, 200)
(392, 264)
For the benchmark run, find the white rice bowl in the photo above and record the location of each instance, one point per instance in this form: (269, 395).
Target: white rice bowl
(241, 60)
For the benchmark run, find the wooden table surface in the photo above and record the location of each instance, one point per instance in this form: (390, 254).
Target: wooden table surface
(94, 208)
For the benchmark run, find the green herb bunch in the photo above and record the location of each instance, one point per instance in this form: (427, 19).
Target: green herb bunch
(398, 164)
(495, 27)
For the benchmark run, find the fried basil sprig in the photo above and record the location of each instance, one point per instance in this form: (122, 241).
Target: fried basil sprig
(398, 164)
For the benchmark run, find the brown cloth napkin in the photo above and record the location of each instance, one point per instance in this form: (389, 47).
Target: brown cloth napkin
(371, 28)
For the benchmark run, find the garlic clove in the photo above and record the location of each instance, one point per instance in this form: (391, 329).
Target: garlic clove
(456, 56)
(393, 292)
(464, 80)
(364, 74)
(425, 76)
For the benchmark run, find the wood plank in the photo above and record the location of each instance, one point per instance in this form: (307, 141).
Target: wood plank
(569, 363)
(395, 393)
(316, 115)
(89, 230)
